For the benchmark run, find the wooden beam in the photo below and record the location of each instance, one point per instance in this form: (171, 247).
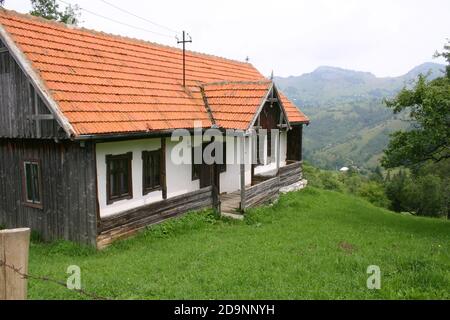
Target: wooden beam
(279, 145)
(301, 144)
(215, 180)
(36, 113)
(242, 173)
(163, 168)
(42, 117)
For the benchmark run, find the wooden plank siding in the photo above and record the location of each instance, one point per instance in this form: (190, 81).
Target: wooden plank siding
(125, 224)
(69, 196)
(268, 190)
(20, 104)
(261, 193)
(291, 173)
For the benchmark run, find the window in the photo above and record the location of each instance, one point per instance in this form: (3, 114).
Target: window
(151, 171)
(196, 168)
(32, 184)
(119, 183)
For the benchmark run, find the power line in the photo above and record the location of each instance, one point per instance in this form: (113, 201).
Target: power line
(139, 17)
(184, 41)
(119, 22)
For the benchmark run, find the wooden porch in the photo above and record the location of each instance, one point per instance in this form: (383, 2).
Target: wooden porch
(234, 205)
(264, 189)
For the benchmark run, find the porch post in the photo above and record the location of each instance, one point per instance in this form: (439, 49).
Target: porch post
(215, 179)
(279, 143)
(242, 165)
(278, 151)
(14, 247)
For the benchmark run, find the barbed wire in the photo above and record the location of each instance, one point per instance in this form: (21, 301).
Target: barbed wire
(50, 280)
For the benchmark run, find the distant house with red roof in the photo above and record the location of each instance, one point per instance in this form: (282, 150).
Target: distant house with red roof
(86, 132)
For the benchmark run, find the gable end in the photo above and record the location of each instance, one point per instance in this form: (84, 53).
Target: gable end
(23, 114)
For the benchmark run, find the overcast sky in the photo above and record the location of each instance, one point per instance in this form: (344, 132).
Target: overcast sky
(385, 37)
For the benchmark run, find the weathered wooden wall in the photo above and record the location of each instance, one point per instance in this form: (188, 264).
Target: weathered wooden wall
(69, 193)
(128, 223)
(268, 190)
(291, 174)
(19, 104)
(262, 193)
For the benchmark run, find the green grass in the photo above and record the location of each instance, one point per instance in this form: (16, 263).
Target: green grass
(311, 244)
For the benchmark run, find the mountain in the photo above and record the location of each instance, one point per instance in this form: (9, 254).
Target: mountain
(349, 122)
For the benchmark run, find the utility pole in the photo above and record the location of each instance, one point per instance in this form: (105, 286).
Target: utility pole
(184, 41)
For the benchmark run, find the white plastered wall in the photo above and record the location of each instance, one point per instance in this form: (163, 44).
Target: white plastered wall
(230, 180)
(270, 165)
(178, 177)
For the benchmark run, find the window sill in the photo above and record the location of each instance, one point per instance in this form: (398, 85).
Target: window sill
(33, 205)
(112, 201)
(148, 191)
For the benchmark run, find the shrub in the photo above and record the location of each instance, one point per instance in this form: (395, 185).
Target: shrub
(374, 193)
(330, 181)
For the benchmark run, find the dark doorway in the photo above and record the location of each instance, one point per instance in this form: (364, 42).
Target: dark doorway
(294, 143)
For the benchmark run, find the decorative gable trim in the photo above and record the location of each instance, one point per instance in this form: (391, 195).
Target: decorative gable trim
(283, 110)
(271, 89)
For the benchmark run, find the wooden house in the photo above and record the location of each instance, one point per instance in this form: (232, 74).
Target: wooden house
(86, 124)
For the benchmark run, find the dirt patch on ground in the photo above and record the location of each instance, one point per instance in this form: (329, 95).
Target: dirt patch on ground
(347, 247)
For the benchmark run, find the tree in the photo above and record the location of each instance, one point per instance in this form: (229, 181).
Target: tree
(49, 9)
(2, 2)
(377, 175)
(446, 56)
(428, 104)
(424, 196)
(395, 186)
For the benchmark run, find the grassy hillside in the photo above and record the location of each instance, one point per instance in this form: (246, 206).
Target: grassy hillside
(312, 244)
(350, 123)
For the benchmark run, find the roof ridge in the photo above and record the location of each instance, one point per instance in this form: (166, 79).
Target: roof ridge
(218, 83)
(116, 36)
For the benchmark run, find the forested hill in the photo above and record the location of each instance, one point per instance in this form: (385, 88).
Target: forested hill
(349, 122)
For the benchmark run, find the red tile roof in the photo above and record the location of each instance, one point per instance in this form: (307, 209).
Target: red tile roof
(110, 84)
(234, 104)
